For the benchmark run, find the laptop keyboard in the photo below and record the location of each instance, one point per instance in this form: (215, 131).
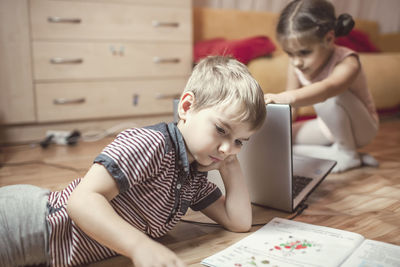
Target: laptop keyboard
(299, 183)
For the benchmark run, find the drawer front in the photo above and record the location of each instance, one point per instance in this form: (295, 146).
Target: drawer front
(94, 100)
(101, 60)
(62, 20)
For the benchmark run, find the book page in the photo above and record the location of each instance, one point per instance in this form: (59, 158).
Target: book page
(283, 242)
(373, 253)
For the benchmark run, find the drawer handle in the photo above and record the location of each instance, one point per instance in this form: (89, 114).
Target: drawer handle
(160, 60)
(66, 101)
(135, 100)
(64, 20)
(157, 24)
(60, 60)
(167, 96)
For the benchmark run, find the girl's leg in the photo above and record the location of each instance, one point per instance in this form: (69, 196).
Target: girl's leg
(309, 132)
(350, 125)
(349, 122)
(23, 228)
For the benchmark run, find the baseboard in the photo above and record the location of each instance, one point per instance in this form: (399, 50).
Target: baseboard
(34, 133)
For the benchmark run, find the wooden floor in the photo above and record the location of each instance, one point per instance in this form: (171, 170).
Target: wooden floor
(364, 200)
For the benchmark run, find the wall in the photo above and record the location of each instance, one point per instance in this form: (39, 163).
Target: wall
(386, 12)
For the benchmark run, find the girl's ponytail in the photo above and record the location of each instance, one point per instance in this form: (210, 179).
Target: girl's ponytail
(312, 19)
(344, 24)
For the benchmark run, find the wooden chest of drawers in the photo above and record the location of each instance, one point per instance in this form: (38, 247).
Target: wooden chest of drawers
(96, 59)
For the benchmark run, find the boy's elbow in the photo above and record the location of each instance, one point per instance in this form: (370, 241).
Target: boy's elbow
(245, 228)
(241, 227)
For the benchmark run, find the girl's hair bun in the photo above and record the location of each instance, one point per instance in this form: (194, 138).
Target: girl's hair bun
(344, 24)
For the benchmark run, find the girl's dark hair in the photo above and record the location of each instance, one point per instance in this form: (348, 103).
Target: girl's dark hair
(313, 19)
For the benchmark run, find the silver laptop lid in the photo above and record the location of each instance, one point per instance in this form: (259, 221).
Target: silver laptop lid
(266, 160)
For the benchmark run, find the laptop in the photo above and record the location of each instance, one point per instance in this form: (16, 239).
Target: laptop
(275, 177)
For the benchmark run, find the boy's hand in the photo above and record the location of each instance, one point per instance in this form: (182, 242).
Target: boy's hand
(150, 253)
(217, 165)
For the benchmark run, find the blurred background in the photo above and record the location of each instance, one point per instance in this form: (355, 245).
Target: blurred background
(386, 12)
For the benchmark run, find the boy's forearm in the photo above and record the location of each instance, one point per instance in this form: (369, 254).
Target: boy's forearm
(237, 200)
(94, 215)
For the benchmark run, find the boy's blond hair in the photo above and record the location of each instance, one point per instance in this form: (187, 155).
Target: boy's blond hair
(224, 81)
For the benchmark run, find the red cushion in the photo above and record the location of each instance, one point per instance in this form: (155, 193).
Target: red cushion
(357, 41)
(243, 50)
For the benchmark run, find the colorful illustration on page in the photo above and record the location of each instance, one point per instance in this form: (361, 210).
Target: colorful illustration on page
(292, 246)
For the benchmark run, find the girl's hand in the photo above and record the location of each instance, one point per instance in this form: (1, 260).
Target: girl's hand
(281, 98)
(151, 253)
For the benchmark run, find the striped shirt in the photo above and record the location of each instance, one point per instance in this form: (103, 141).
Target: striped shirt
(156, 187)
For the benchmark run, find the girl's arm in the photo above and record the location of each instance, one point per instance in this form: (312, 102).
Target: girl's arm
(89, 207)
(337, 82)
(232, 211)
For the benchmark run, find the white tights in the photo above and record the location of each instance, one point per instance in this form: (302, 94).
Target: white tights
(344, 123)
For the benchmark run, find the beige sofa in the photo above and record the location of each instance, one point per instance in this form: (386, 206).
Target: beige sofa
(382, 69)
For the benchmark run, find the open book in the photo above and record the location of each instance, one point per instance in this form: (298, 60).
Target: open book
(282, 242)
